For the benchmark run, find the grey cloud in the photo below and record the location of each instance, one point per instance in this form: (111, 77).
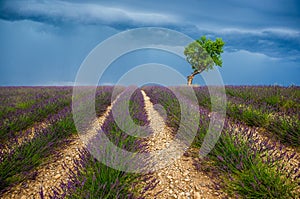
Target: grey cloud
(61, 33)
(278, 43)
(88, 13)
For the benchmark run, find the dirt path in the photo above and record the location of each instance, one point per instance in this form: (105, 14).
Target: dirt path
(181, 179)
(52, 173)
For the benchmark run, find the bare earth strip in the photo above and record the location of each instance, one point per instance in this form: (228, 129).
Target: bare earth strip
(180, 179)
(52, 173)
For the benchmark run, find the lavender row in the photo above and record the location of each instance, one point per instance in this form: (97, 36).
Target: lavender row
(20, 163)
(247, 167)
(38, 129)
(285, 128)
(24, 118)
(102, 96)
(93, 179)
(239, 153)
(263, 107)
(19, 100)
(36, 113)
(281, 100)
(284, 100)
(12, 96)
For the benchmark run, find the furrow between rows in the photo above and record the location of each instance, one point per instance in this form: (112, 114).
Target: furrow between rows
(180, 179)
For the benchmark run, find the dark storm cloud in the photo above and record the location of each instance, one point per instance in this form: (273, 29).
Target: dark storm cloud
(55, 12)
(276, 43)
(211, 14)
(251, 25)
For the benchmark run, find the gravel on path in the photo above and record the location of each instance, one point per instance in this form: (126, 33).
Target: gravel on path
(180, 179)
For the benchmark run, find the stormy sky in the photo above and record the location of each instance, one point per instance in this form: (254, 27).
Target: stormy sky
(45, 42)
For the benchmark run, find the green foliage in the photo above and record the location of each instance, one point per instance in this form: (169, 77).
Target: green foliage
(204, 53)
(285, 128)
(288, 104)
(262, 181)
(16, 167)
(24, 105)
(101, 181)
(248, 114)
(23, 121)
(272, 100)
(244, 172)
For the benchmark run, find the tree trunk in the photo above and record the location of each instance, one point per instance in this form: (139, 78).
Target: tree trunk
(191, 77)
(190, 80)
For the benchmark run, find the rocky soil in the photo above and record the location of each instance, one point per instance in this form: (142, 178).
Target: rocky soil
(180, 179)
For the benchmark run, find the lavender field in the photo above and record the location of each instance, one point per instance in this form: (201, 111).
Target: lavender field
(256, 156)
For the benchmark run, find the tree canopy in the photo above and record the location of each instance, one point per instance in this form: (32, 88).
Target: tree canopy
(203, 54)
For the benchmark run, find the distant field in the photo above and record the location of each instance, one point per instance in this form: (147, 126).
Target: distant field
(256, 156)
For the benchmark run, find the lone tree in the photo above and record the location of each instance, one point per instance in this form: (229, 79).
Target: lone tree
(203, 54)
